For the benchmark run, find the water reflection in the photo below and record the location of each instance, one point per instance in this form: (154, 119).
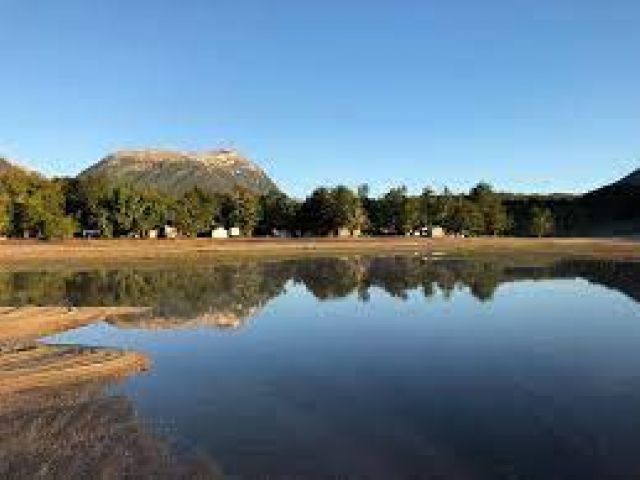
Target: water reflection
(512, 369)
(226, 295)
(84, 432)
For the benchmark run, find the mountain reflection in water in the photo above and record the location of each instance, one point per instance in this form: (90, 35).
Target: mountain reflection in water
(425, 368)
(227, 294)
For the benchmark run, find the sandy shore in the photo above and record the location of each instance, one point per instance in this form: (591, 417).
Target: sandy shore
(20, 324)
(56, 417)
(27, 365)
(47, 366)
(127, 251)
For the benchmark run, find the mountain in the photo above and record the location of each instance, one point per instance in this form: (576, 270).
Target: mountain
(614, 209)
(632, 179)
(627, 186)
(7, 165)
(216, 171)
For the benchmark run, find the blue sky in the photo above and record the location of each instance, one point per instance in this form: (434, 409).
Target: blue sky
(529, 95)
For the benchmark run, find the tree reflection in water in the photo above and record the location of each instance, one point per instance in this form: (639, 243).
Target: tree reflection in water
(86, 432)
(226, 294)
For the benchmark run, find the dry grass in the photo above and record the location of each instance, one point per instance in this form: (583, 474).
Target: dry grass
(13, 253)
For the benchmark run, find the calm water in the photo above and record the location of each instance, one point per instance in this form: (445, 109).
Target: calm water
(377, 367)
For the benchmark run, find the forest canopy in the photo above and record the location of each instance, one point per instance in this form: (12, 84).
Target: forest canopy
(35, 207)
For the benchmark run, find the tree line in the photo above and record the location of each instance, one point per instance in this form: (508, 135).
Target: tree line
(36, 207)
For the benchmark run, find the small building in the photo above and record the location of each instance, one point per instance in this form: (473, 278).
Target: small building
(153, 233)
(345, 232)
(169, 232)
(234, 232)
(89, 233)
(433, 231)
(219, 232)
(277, 233)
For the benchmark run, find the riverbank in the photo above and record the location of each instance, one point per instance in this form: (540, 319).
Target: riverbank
(16, 252)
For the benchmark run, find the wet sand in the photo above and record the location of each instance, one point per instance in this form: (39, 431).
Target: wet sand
(31, 322)
(26, 364)
(46, 366)
(57, 420)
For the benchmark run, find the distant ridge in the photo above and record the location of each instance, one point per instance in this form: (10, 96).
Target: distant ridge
(7, 165)
(175, 172)
(626, 184)
(615, 208)
(632, 179)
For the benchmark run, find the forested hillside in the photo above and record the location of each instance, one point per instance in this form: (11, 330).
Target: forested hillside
(614, 209)
(36, 207)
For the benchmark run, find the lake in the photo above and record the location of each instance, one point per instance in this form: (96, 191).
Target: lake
(365, 367)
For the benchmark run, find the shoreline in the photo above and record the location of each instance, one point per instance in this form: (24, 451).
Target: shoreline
(42, 366)
(127, 251)
(31, 323)
(27, 363)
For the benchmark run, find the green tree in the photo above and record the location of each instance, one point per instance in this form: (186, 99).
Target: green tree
(327, 210)
(196, 212)
(442, 207)
(426, 207)
(348, 207)
(40, 210)
(398, 211)
(360, 220)
(132, 212)
(495, 219)
(240, 209)
(127, 211)
(277, 212)
(409, 214)
(5, 213)
(480, 191)
(465, 217)
(87, 201)
(344, 206)
(542, 221)
(316, 213)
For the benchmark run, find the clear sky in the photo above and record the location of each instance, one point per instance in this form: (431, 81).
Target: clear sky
(530, 95)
